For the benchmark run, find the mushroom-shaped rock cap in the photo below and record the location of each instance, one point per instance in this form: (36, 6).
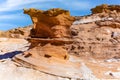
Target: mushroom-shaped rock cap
(51, 12)
(51, 23)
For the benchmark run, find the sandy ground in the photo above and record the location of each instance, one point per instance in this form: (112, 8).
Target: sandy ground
(9, 70)
(91, 69)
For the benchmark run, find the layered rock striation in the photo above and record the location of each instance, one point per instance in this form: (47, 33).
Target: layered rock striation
(94, 38)
(50, 27)
(97, 35)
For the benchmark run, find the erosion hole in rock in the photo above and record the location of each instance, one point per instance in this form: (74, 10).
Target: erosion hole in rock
(47, 56)
(65, 57)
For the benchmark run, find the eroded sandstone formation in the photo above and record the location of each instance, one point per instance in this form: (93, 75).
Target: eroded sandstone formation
(49, 51)
(20, 32)
(94, 38)
(51, 23)
(105, 8)
(50, 27)
(97, 35)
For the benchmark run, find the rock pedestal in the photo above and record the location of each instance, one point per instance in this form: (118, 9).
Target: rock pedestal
(51, 25)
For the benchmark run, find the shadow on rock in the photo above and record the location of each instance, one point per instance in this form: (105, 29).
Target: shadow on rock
(10, 54)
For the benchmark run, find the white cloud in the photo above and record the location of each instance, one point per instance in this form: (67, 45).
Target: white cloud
(9, 5)
(11, 16)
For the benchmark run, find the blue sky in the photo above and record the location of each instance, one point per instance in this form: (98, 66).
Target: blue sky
(11, 11)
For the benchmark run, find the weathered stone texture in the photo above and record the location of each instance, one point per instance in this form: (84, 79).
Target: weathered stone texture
(98, 38)
(51, 23)
(96, 35)
(105, 8)
(20, 32)
(49, 51)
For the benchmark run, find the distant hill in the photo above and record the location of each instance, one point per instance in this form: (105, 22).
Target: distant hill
(20, 32)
